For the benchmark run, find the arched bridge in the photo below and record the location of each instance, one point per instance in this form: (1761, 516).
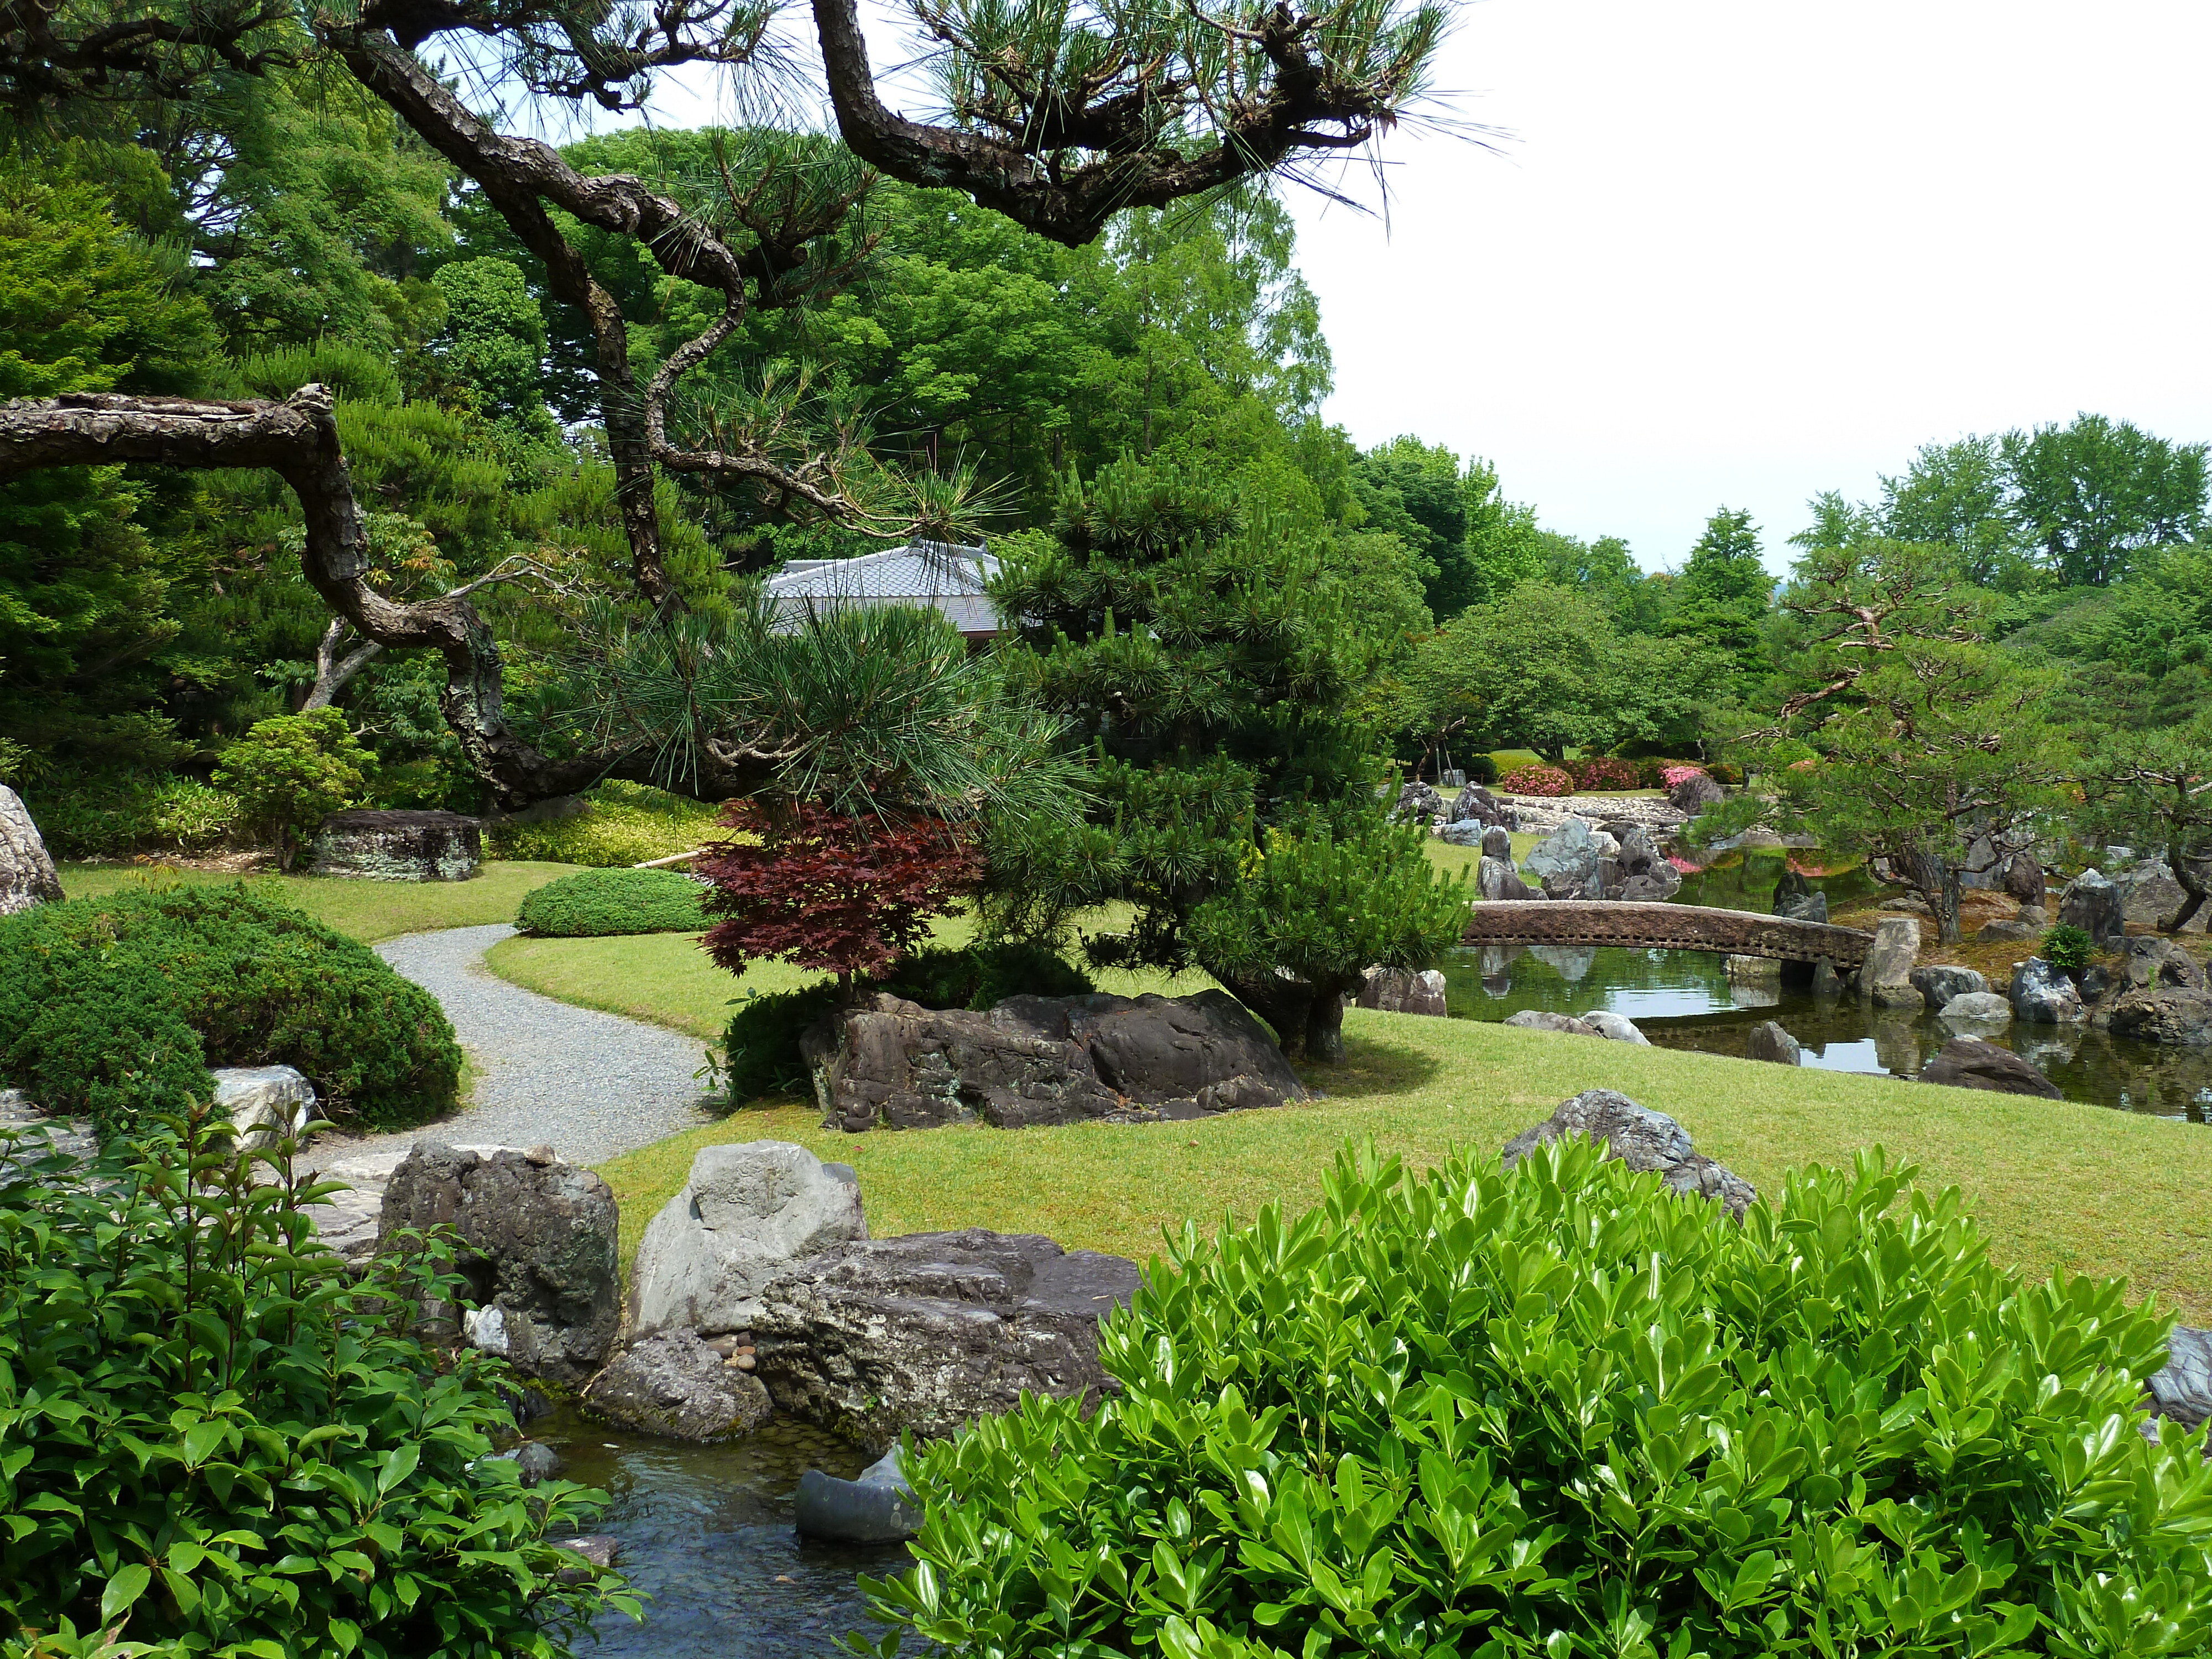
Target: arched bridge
(1663, 927)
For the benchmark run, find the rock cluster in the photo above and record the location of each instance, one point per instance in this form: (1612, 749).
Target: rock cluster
(1476, 806)
(1794, 897)
(1418, 804)
(1646, 1140)
(1050, 1060)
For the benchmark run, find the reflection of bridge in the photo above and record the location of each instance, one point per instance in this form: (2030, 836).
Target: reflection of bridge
(1662, 927)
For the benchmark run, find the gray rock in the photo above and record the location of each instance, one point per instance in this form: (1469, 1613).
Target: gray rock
(2024, 879)
(1496, 878)
(1813, 907)
(2149, 893)
(1695, 794)
(598, 1551)
(2092, 981)
(1910, 905)
(1977, 1009)
(1769, 1041)
(27, 874)
(927, 1331)
(1476, 804)
(1418, 804)
(878, 1508)
(399, 846)
(2011, 932)
(747, 1214)
(1541, 1020)
(1826, 981)
(539, 1245)
(673, 1385)
(1886, 976)
(534, 1460)
(1461, 835)
(2182, 1018)
(1940, 985)
(1968, 1062)
(1497, 844)
(1646, 1140)
(2159, 965)
(2043, 995)
(265, 1102)
(2092, 903)
(1752, 970)
(2181, 1389)
(1615, 1027)
(1642, 873)
(1051, 1060)
(1565, 861)
(1404, 991)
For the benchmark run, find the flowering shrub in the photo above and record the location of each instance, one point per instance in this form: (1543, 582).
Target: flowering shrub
(1603, 772)
(1537, 781)
(1671, 776)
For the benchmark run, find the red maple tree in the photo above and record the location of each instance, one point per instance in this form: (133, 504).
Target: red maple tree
(825, 890)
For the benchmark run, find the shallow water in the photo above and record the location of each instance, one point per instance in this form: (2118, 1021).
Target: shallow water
(705, 1533)
(1683, 999)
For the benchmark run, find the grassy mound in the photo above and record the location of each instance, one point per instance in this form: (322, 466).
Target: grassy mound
(602, 904)
(621, 824)
(117, 1005)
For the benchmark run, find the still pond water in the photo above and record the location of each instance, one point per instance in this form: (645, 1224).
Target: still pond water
(1683, 999)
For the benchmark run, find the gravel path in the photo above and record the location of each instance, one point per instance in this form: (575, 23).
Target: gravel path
(589, 1084)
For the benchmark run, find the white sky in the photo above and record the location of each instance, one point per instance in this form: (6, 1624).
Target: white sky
(1738, 252)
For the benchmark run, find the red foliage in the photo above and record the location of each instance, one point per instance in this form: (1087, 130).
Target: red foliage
(849, 895)
(1536, 780)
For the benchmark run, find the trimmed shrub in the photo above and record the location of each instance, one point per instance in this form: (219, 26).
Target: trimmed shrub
(760, 1055)
(2067, 947)
(621, 825)
(216, 1439)
(1537, 781)
(1563, 1411)
(598, 903)
(292, 771)
(1604, 772)
(108, 1004)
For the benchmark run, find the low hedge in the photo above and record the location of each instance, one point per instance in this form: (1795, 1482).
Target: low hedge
(1563, 1413)
(621, 824)
(109, 1006)
(1537, 781)
(1604, 772)
(599, 903)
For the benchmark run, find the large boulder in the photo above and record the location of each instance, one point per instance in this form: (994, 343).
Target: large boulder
(1968, 1062)
(1769, 1041)
(1645, 875)
(1644, 1139)
(2182, 1019)
(1461, 835)
(1795, 898)
(1566, 861)
(748, 1213)
(399, 846)
(1615, 1027)
(1886, 976)
(1051, 1060)
(1418, 804)
(1476, 804)
(1940, 984)
(1976, 1011)
(928, 1331)
(2043, 995)
(2024, 879)
(2149, 893)
(1695, 794)
(1543, 1019)
(265, 1103)
(537, 1240)
(879, 1507)
(1497, 844)
(2181, 1389)
(27, 874)
(2156, 964)
(2093, 904)
(1403, 991)
(1497, 879)
(671, 1384)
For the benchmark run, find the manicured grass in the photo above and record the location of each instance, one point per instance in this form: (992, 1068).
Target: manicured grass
(2057, 1185)
(367, 910)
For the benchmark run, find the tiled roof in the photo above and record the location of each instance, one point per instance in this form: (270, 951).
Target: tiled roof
(918, 571)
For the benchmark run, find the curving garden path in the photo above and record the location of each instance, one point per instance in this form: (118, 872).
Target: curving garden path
(589, 1084)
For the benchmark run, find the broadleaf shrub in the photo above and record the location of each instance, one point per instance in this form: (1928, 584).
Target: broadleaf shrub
(292, 771)
(1604, 772)
(114, 814)
(1673, 772)
(600, 903)
(621, 825)
(106, 1004)
(1536, 780)
(1480, 769)
(2068, 947)
(1563, 1413)
(216, 1440)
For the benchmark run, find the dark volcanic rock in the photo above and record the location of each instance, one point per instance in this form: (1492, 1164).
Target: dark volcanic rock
(1418, 804)
(376, 846)
(1052, 1059)
(1967, 1062)
(1644, 1139)
(1769, 1041)
(1695, 794)
(926, 1331)
(673, 1385)
(538, 1254)
(2094, 905)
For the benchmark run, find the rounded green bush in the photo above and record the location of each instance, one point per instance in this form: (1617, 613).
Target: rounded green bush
(1563, 1413)
(598, 903)
(108, 1005)
(2069, 947)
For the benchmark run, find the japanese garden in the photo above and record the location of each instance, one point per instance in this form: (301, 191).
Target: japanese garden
(755, 899)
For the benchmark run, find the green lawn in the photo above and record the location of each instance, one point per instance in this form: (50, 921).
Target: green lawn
(368, 910)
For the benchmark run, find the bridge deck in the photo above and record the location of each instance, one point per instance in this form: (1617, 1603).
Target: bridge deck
(1663, 927)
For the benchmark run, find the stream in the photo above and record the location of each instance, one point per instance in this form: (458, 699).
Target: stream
(1683, 999)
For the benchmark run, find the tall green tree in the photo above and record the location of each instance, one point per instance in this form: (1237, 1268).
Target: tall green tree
(1725, 593)
(1955, 495)
(2094, 496)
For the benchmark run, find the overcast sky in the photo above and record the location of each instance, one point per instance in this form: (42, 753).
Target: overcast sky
(1740, 253)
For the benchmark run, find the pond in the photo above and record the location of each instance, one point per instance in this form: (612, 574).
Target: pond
(1683, 999)
(705, 1533)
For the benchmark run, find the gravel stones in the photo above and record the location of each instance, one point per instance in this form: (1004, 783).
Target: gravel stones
(1646, 1140)
(538, 1239)
(927, 1331)
(1968, 1062)
(1769, 1041)
(747, 1214)
(1403, 991)
(673, 1385)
